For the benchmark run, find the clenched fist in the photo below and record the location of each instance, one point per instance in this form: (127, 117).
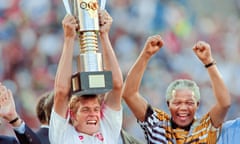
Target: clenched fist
(152, 45)
(203, 52)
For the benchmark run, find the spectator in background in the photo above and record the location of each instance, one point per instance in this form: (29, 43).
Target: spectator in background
(91, 123)
(43, 110)
(7, 111)
(182, 97)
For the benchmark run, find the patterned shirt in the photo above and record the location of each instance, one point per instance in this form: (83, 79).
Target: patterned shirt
(158, 130)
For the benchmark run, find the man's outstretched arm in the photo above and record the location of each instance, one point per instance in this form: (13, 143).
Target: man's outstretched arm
(219, 111)
(114, 97)
(131, 94)
(62, 84)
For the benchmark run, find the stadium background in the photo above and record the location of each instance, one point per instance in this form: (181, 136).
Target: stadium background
(31, 39)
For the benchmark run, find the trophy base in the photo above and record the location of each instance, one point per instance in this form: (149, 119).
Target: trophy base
(87, 83)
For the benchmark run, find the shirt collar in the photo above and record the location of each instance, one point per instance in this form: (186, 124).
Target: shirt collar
(187, 128)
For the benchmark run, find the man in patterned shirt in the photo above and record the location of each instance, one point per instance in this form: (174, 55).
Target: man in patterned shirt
(182, 97)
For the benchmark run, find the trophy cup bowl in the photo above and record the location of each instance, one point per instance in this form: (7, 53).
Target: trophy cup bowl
(90, 77)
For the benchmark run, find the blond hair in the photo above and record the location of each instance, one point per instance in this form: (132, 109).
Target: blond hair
(75, 102)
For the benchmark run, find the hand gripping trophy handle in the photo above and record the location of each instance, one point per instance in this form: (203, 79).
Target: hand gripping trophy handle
(90, 78)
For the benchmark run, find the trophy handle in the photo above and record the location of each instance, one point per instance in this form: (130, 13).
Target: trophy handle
(103, 4)
(67, 6)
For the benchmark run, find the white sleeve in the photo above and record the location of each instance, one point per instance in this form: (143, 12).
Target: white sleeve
(111, 122)
(57, 127)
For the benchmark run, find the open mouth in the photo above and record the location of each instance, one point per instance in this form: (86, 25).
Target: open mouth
(91, 122)
(183, 116)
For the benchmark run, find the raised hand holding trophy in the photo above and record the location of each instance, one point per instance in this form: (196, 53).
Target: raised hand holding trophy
(90, 77)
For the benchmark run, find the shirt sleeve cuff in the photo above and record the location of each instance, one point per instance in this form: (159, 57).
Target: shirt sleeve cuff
(21, 129)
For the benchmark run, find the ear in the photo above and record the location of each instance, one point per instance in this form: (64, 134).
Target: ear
(168, 103)
(198, 104)
(71, 114)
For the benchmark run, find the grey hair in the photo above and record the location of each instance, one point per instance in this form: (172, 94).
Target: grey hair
(182, 84)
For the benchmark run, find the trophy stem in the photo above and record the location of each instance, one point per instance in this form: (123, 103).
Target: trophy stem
(88, 41)
(89, 58)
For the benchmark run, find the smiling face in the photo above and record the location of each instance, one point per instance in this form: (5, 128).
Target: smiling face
(183, 106)
(86, 118)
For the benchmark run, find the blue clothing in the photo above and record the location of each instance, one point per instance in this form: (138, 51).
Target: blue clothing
(42, 133)
(8, 140)
(230, 132)
(25, 135)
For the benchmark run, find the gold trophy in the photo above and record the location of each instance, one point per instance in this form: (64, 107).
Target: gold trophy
(90, 77)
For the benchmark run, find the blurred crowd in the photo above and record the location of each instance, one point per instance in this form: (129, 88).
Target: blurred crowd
(31, 39)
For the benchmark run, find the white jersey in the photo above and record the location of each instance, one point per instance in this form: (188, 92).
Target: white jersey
(61, 132)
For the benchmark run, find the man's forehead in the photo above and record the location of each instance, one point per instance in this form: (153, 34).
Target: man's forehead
(95, 105)
(183, 94)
